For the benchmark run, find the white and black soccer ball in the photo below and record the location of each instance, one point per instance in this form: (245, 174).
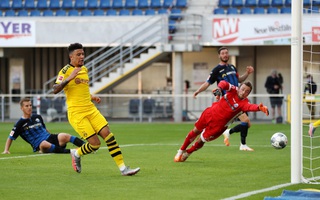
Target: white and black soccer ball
(279, 140)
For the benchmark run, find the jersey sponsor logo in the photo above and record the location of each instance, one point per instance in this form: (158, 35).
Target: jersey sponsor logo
(225, 30)
(60, 78)
(79, 80)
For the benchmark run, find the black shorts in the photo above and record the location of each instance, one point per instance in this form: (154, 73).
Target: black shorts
(53, 139)
(276, 101)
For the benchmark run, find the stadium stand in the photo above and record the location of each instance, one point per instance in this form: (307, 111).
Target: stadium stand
(137, 12)
(80, 4)
(143, 4)
(67, 4)
(47, 13)
(5, 4)
(245, 10)
(29, 4)
(272, 10)
(263, 3)
(61, 13)
(16, 4)
(1, 14)
(163, 11)
(314, 9)
(287, 2)
(306, 2)
(167, 3)
(277, 3)
(314, 2)
(105, 4)
(232, 11)
(175, 14)
(36, 13)
(73, 12)
(285, 10)
(92, 4)
(218, 11)
(224, 3)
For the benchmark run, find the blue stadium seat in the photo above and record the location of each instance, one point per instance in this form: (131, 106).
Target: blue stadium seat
(219, 11)
(73, 12)
(175, 14)
(172, 26)
(10, 13)
(264, 3)
(1, 14)
(98, 12)
(155, 4)
(86, 12)
(16, 4)
(80, 4)
(111, 12)
(124, 12)
(92, 4)
(163, 11)
(306, 2)
(130, 4)
(258, 10)
(5, 4)
(47, 13)
(35, 13)
(277, 3)
(232, 11)
(105, 4)
(181, 4)
(42, 4)
(250, 3)
(316, 3)
(54, 4)
(285, 10)
(272, 10)
(22, 13)
(287, 3)
(167, 3)
(224, 3)
(143, 4)
(150, 12)
(237, 3)
(61, 13)
(245, 10)
(117, 4)
(137, 12)
(67, 4)
(29, 4)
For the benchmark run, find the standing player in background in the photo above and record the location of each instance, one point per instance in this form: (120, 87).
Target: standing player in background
(229, 73)
(83, 115)
(215, 119)
(31, 128)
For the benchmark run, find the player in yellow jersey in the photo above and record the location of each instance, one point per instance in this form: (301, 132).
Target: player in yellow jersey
(83, 115)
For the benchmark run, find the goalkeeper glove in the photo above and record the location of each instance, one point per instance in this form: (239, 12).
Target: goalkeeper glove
(264, 109)
(217, 93)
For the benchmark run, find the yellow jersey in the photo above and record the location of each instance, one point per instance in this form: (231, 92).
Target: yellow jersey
(77, 90)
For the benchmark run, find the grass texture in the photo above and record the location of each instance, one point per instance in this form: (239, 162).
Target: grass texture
(213, 172)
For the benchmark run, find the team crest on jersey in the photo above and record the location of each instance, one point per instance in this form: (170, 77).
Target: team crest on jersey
(37, 120)
(11, 133)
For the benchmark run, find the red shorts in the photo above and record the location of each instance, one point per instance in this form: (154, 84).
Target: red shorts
(210, 126)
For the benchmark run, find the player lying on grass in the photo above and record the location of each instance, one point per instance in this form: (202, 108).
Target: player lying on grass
(214, 120)
(33, 130)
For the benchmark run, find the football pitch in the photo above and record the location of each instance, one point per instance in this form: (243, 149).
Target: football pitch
(214, 172)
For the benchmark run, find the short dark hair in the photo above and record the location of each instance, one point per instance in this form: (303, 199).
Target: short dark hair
(247, 83)
(24, 100)
(74, 46)
(222, 48)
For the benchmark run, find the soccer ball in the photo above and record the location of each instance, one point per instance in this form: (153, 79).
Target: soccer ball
(279, 140)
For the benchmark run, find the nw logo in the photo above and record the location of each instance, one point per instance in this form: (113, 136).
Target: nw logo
(225, 30)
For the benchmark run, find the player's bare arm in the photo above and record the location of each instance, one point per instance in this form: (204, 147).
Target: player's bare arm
(58, 87)
(203, 87)
(249, 70)
(96, 99)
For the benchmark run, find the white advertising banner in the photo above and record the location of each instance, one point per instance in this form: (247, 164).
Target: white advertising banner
(17, 33)
(271, 30)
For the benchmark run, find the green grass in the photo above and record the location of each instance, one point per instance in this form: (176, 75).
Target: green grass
(214, 172)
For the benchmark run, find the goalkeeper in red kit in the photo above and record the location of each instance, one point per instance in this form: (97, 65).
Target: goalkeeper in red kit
(214, 120)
